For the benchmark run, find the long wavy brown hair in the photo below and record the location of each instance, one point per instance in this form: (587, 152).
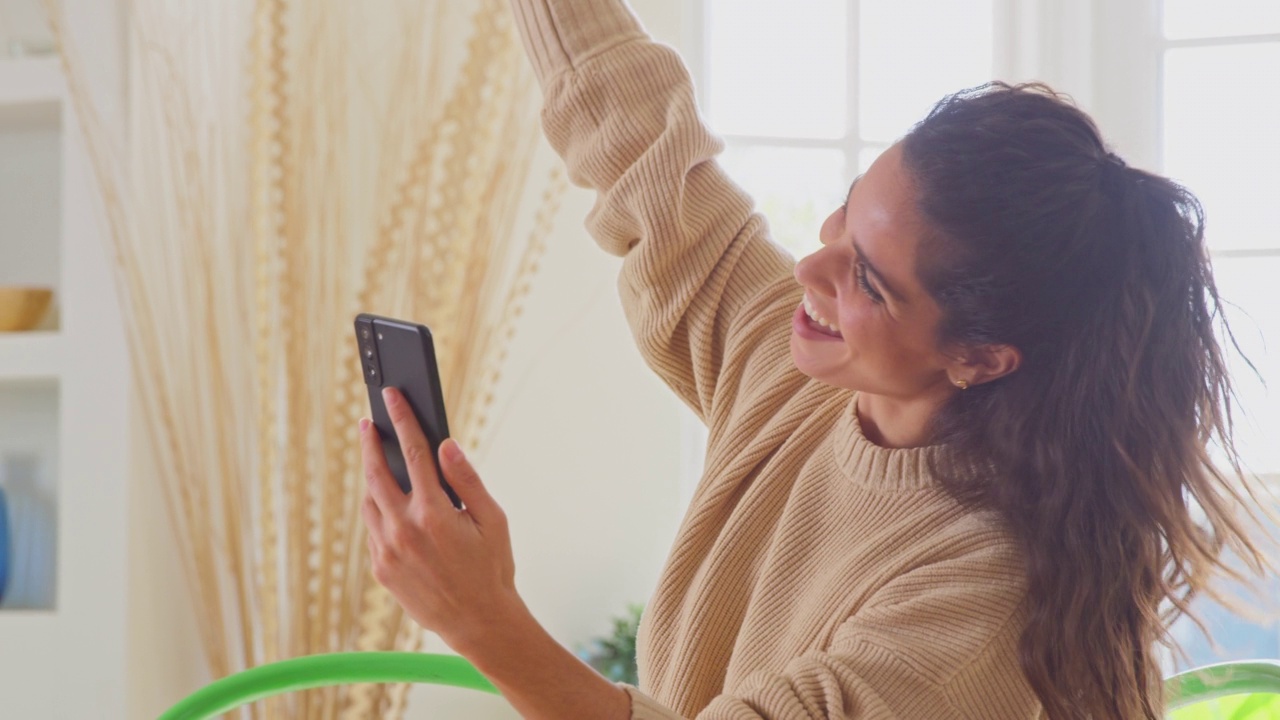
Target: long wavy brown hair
(1096, 450)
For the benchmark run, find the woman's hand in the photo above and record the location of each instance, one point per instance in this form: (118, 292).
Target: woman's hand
(452, 570)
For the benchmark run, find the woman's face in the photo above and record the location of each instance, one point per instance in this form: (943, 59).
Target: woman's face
(863, 282)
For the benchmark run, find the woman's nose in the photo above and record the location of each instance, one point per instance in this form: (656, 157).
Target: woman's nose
(807, 268)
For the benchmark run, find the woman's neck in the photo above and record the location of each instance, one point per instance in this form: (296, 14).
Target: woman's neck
(894, 423)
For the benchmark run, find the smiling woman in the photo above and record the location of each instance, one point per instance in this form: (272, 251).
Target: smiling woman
(948, 451)
(819, 573)
(1180, 94)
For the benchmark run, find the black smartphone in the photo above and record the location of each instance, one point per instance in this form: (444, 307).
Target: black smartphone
(401, 354)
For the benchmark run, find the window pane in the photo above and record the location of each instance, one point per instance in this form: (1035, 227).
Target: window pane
(795, 188)
(777, 68)
(1220, 138)
(913, 52)
(1248, 290)
(1201, 18)
(1238, 638)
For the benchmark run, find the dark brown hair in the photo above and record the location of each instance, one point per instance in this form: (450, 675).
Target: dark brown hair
(1095, 449)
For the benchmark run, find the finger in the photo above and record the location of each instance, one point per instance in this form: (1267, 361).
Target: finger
(372, 518)
(376, 566)
(466, 482)
(418, 457)
(381, 484)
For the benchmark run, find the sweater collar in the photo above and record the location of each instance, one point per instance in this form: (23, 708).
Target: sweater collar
(864, 463)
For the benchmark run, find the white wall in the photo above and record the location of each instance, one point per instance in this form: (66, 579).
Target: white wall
(585, 456)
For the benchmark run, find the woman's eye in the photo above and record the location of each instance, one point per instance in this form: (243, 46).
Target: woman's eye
(860, 272)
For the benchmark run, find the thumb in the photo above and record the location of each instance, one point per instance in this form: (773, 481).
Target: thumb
(465, 481)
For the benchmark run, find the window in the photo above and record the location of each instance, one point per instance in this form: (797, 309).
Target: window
(1218, 118)
(807, 93)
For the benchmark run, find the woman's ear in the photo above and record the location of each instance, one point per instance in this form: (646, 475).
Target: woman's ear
(986, 363)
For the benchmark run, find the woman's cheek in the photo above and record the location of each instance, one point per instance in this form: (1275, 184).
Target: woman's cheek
(850, 321)
(859, 315)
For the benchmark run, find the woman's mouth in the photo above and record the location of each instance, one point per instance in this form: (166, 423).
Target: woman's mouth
(808, 323)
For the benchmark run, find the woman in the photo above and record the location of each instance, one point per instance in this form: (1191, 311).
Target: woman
(948, 451)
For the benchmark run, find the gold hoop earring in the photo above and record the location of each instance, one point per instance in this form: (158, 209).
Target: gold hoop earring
(962, 384)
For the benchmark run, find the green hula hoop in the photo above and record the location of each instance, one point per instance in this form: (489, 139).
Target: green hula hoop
(1222, 680)
(1203, 684)
(326, 669)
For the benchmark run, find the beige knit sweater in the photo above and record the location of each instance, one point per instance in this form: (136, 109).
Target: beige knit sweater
(815, 575)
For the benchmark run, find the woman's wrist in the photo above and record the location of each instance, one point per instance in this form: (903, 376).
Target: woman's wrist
(490, 637)
(536, 674)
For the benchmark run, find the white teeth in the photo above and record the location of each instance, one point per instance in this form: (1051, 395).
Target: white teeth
(813, 315)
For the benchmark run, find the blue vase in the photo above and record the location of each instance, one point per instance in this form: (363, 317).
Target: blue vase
(4, 545)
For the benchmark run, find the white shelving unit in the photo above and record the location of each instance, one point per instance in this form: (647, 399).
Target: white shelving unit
(31, 362)
(29, 81)
(64, 388)
(31, 356)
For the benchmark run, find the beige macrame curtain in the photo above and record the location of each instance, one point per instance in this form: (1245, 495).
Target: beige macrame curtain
(289, 165)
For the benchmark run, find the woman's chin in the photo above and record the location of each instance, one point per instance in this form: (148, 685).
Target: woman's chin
(828, 371)
(807, 364)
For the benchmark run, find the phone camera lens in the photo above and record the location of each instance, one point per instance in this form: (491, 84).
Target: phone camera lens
(368, 353)
(364, 333)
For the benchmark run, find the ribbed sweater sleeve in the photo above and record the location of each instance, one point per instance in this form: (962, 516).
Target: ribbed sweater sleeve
(620, 109)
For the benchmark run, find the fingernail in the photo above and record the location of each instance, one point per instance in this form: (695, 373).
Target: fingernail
(454, 451)
(389, 395)
(364, 424)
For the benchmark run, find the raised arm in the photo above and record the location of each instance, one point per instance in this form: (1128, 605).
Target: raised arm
(619, 108)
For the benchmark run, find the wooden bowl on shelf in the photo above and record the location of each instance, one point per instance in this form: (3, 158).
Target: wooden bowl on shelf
(22, 308)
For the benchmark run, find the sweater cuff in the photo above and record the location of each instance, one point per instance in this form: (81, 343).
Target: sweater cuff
(644, 707)
(560, 35)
